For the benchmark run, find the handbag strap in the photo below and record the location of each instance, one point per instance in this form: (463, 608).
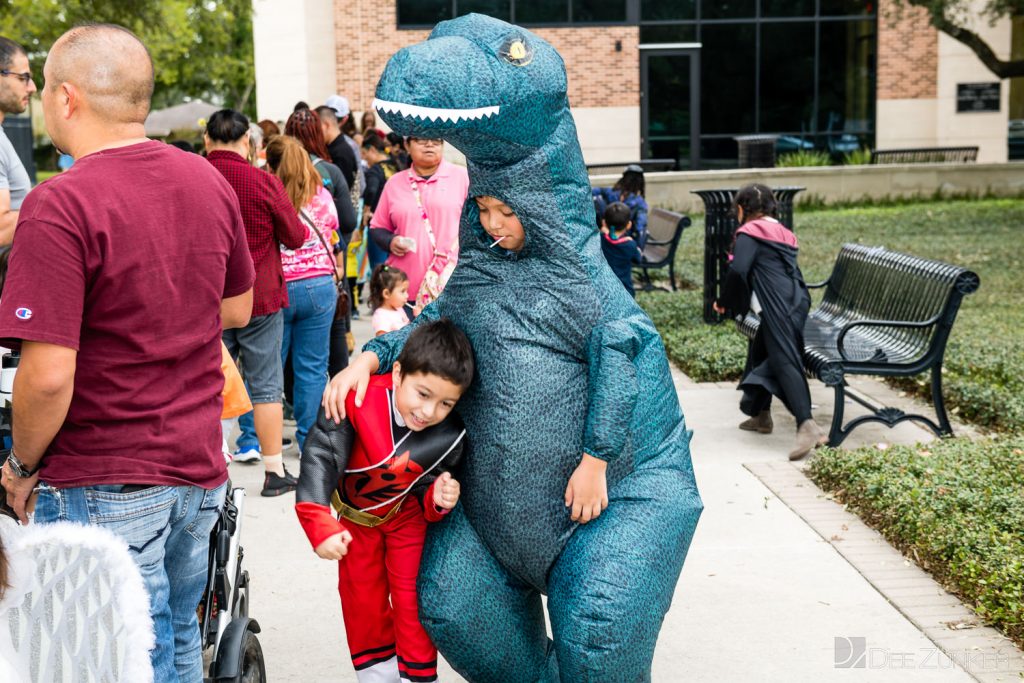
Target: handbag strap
(330, 254)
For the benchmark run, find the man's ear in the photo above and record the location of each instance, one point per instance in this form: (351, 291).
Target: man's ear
(69, 99)
(396, 373)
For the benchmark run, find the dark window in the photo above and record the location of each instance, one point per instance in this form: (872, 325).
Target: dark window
(847, 8)
(598, 11)
(542, 11)
(787, 76)
(787, 8)
(417, 12)
(680, 33)
(499, 9)
(728, 9)
(728, 62)
(654, 10)
(718, 152)
(846, 78)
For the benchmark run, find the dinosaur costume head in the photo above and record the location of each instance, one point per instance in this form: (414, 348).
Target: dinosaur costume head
(497, 93)
(493, 90)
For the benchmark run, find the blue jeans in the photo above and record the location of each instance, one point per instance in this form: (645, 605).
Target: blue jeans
(307, 336)
(167, 529)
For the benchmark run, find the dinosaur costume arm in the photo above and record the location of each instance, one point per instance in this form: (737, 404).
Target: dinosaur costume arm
(614, 388)
(388, 346)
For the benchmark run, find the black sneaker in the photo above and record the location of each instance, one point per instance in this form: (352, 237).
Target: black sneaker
(291, 477)
(276, 485)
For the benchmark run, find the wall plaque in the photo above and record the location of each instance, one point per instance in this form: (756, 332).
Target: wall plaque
(977, 97)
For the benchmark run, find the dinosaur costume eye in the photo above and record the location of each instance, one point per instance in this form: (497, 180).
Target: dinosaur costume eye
(517, 52)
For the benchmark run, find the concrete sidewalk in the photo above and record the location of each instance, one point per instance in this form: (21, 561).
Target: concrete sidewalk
(762, 596)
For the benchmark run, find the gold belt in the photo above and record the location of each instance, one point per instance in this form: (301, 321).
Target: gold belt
(358, 516)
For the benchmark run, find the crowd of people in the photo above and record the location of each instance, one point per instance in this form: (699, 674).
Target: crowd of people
(263, 248)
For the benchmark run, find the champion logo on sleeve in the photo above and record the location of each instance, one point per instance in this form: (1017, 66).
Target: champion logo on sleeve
(23, 313)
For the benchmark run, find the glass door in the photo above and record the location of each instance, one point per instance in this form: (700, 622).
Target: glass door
(670, 103)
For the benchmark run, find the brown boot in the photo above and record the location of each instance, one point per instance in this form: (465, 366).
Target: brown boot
(762, 423)
(807, 438)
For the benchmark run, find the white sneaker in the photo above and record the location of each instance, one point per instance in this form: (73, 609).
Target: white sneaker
(249, 456)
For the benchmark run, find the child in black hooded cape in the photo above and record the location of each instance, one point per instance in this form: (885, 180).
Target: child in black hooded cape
(764, 264)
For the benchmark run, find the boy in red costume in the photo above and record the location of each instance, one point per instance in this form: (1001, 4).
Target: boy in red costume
(386, 469)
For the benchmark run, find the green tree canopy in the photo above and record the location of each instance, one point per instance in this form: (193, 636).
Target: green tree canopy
(201, 49)
(954, 18)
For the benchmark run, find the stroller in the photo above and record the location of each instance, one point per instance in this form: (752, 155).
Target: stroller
(223, 612)
(224, 622)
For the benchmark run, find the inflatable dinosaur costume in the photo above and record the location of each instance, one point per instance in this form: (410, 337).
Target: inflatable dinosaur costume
(567, 364)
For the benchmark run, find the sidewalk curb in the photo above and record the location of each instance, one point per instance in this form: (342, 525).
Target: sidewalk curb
(981, 651)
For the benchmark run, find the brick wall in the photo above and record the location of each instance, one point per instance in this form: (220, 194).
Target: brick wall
(366, 37)
(908, 53)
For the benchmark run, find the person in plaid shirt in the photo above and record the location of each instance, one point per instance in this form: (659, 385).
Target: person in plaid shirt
(270, 220)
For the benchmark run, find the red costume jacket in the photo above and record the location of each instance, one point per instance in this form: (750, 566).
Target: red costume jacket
(371, 462)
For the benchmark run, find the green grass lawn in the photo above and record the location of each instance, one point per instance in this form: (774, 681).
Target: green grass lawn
(984, 367)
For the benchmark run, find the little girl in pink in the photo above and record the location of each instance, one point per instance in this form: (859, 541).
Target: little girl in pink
(389, 292)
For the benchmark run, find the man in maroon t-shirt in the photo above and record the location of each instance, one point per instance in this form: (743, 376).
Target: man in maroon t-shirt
(270, 221)
(122, 273)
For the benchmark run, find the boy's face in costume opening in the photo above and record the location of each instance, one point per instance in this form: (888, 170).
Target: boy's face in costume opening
(500, 222)
(423, 400)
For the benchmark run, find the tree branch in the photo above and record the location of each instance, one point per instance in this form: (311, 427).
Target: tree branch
(1001, 68)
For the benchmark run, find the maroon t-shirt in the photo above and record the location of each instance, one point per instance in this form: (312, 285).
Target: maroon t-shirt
(126, 258)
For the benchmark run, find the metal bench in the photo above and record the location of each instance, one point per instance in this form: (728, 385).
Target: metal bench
(886, 314)
(617, 167)
(925, 155)
(664, 229)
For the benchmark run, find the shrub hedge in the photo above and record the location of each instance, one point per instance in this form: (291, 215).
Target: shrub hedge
(955, 506)
(984, 368)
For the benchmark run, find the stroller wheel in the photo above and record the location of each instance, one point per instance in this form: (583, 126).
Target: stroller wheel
(252, 669)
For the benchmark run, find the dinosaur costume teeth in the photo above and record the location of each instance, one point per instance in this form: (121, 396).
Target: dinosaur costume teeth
(437, 114)
(567, 364)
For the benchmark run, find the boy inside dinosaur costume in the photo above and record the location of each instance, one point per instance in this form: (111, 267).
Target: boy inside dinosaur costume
(571, 372)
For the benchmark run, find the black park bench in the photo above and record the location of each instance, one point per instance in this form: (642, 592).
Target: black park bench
(664, 229)
(885, 314)
(925, 155)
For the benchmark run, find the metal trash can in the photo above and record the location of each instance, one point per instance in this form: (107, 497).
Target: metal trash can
(19, 131)
(720, 227)
(756, 151)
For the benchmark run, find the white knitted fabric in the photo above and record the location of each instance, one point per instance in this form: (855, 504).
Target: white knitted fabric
(77, 609)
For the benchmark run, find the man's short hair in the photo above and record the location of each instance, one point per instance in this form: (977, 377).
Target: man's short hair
(227, 126)
(326, 114)
(617, 215)
(111, 66)
(8, 51)
(439, 348)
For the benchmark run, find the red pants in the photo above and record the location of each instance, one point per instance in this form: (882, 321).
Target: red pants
(377, 584)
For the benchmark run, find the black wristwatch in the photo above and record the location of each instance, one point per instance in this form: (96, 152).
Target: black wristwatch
(19, 468)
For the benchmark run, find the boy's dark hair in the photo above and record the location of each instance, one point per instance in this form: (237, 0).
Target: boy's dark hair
(227, 125)
(617, 216)
(756, 200)
(384, 277)
(439, 348)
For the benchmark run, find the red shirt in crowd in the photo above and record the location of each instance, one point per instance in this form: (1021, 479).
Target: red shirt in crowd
(126, 258)
(270, 220)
